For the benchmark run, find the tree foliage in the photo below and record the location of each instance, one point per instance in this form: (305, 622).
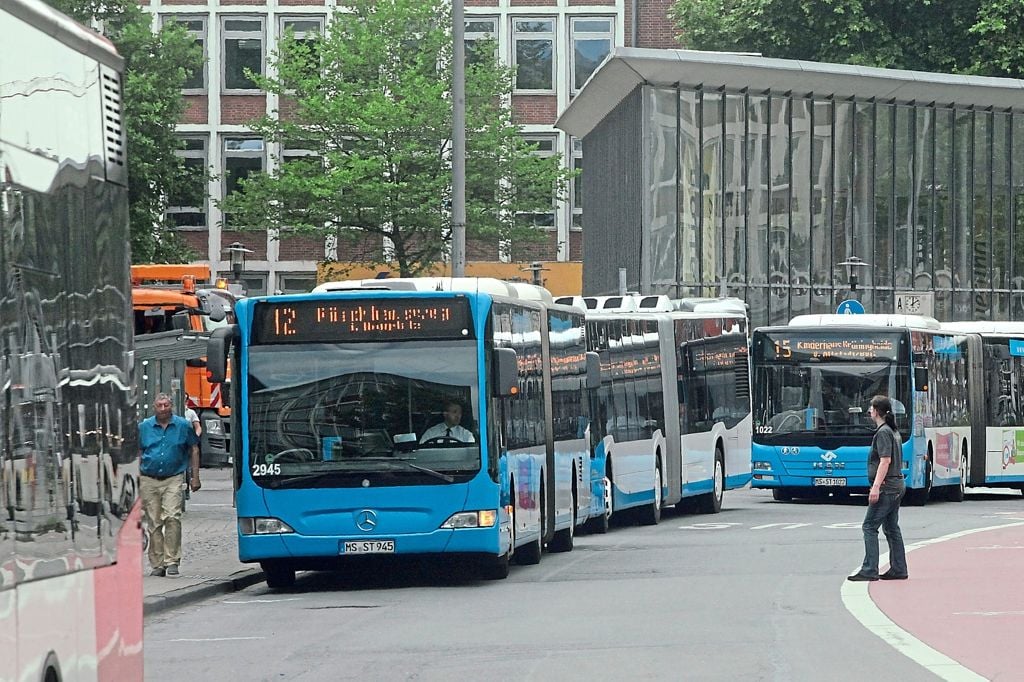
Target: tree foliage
(371, 101)
(156, 67)
(951, 36)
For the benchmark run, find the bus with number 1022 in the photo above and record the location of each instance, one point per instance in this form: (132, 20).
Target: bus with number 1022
(812, 382)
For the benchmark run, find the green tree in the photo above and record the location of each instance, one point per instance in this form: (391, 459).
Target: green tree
(951, 36)
(156, 66)
(371, 100)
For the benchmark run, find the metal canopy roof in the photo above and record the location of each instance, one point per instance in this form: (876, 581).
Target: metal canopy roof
(627, 67)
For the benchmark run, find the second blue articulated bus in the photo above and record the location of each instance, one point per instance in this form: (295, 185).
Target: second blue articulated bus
(812, 382)
(441, 416)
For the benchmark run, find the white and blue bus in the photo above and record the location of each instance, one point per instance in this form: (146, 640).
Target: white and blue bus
(340, 398)
(812, 382)
(996, 387)
(671, 418)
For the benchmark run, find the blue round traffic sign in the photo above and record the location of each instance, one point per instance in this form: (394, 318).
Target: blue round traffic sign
(850, 307)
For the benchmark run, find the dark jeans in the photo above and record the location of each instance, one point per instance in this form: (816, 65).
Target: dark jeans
(884, 513)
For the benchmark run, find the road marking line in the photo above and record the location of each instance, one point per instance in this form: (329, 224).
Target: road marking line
(212, 639)
(858, 602)
(988, 613)
(260, 601)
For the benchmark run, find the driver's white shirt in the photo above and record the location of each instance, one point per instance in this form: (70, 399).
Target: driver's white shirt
(458, 432)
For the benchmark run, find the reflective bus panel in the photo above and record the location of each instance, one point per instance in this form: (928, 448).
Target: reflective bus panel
(70, 546)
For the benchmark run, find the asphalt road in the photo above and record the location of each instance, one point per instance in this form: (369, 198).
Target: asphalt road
(752, 593)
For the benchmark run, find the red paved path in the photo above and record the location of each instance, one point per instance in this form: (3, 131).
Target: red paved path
(965, 598)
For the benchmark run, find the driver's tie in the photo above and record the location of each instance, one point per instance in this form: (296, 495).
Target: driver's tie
(448, 433)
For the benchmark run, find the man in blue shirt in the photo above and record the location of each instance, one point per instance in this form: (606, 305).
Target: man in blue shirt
(166, 441)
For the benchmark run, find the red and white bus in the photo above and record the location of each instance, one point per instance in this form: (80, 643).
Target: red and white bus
(70, 540)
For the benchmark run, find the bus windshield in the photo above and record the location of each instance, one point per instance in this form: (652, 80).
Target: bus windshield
(805, 397)
(329, 414)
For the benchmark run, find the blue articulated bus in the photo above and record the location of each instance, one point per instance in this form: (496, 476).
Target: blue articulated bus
(409, 416)
(812, 382)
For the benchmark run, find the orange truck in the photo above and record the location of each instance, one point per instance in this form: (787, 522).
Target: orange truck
(169, 298)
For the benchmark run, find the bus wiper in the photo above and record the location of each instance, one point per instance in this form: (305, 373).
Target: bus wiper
(292, 481)
(393, 460)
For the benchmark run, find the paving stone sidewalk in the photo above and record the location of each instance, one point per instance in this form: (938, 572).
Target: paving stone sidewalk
(210, 562)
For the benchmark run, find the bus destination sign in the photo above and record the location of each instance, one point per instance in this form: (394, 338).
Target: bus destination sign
(782, 347)
(354, 320)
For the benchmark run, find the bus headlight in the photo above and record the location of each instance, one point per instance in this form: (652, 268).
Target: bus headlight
(485, 518)
(762, 466)
(259, 525)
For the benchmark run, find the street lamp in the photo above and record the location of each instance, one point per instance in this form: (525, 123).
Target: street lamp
(236, 256)
(851, 264)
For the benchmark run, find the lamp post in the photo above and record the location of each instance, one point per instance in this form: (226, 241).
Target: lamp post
(236, 257)
(851, 264)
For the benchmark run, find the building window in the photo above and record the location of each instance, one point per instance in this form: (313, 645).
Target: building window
(243, 49)
(534, 54)
(306, 163)
(243, 156)
(591, 42)
(186, 206)
(195, 82)
(545, 146)
(296, 283)
(253, 283)
(307, 32)
(576, 186)
(480, 32)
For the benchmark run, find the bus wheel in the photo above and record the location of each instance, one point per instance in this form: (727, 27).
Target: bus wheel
(956, 493)
(782, 494)
(279, 575)
(711, 503)
(650, 515)
(563, 540)
(495, 567)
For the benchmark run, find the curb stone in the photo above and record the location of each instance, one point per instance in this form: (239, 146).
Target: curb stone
(158, 603)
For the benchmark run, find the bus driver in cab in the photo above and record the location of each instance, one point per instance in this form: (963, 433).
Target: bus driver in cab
(449, 429)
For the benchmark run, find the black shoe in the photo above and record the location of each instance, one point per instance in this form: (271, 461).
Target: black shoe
(158, 572)
(889, 575)
(861, 578)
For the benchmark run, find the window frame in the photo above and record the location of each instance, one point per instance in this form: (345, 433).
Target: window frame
(474, 36)
(575, 188)
(534, 138)
(203, 37)
(204, 155)
(551, 36)
(575, 35)
(227, 34)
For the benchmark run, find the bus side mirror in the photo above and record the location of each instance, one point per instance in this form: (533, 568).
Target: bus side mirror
(593, 370)
(217, 353)
(506, 373)
(920, 378)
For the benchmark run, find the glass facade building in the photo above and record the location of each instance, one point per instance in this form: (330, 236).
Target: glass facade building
(757, 178)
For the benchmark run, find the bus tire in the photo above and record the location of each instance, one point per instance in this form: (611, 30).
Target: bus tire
(495, 567)
(650, 515)
(711, 503)
(957, 492)
(782, 494)
(278, 574)
(564, 539)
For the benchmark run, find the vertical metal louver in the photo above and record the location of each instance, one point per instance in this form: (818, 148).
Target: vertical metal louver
(113, 128)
